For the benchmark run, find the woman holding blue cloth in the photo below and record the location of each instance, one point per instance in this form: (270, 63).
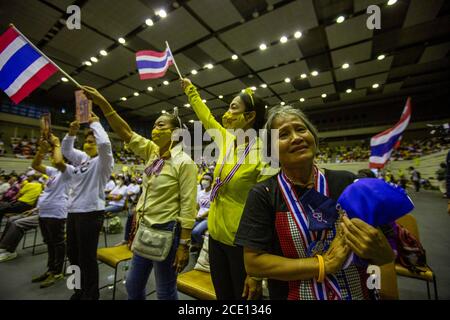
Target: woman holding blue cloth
(292, 233)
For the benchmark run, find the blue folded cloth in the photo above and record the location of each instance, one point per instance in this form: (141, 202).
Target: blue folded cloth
(320, 209)
(375, 201)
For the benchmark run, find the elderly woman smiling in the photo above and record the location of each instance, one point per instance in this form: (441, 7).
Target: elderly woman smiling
(276, 229)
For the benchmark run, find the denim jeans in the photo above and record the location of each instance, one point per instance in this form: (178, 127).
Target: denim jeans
(198, 231)
(165, 273)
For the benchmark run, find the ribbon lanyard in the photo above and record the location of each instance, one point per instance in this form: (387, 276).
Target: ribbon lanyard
(298, 212)
(218, 183)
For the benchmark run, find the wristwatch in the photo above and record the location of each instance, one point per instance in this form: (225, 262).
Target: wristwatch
(185, 242)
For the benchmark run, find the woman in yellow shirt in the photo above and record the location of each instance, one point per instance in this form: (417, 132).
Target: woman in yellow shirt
(233, 180)
(168, 200)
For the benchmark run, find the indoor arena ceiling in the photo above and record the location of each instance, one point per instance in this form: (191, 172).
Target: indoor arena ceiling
(414, 40)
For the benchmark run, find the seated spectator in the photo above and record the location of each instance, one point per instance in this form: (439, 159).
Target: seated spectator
(14, 231)
(110, 185)
(4, 185)
(117, 196)
(11, 194)
(26, 197)
(203, 203)
(133, 192)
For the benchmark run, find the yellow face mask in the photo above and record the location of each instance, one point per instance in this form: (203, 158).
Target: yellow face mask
(90, 149)
(233, 121)
(161, 137)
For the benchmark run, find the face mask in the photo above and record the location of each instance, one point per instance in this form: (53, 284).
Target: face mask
(161, 137)
(233, 121)
(90, 149)
(205, 184)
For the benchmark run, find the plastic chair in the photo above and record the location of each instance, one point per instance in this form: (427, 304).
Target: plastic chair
(113, 257)
(410, 223)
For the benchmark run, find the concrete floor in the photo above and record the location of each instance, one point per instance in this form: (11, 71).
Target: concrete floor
(430, 212)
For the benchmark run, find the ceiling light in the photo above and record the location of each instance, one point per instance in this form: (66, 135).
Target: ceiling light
(262, 46)
(209, 66)
(94, 59)
(243, 91)
(381, 57)
(123, 99)
(162, 13)
(64, 79)
(283, 103)
(166, 83)
(391, 2)
(253, 88)
(204, 100)
(302, 99)
(324, 95)
(63, 110)
(149, 22)
(315, 73)
(263, 85)
(187, 105)
(340, 19)
(234, 57)
(191, 121)
(297, 35)
(375, 85)
(88, 63)
(266, 107)
(194, 72)
(349, 91)
(345, 66)
(121, 40)
(136, 94)
(287, 80)
(303, 76)
(103, 53)
(221, 97)
(150, 88)
(283, 39)
(164, 111)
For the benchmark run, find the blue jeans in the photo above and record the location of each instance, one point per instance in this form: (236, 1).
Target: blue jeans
(198, 231)
(165, 273)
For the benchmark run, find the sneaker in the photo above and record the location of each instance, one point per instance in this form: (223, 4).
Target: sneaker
(51, 280)
(41, 277)
(2, 250)
(6, 256)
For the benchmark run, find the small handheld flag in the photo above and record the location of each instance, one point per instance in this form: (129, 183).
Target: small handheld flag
(154, 64)
(382, 145)
(23, 67)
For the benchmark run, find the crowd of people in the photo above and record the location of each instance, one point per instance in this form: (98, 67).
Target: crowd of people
(407, 150)
(254, 214)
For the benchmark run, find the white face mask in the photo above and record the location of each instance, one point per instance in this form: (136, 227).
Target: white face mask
(205, 184)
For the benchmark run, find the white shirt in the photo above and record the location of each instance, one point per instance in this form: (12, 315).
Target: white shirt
(203, 202)
(53, 201)
(110, 185)
(133, 191)
(89, 175)
(119, 190)
(4, 187)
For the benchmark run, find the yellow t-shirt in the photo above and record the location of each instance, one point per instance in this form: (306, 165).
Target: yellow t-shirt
(226, 210)
(30, 192)
(172, 195)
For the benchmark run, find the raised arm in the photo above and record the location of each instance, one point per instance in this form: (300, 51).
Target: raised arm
(57, 154)
(116, 122)
(37, 165)
(200, 108)
(103, 143)
(73, 155)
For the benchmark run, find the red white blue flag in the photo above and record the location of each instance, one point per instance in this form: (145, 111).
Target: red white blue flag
(382, 145)
(22, 67)
(153, 64)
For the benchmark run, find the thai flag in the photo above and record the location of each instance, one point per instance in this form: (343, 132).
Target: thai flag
(153, 64)
(22, 68)
(382, 145)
